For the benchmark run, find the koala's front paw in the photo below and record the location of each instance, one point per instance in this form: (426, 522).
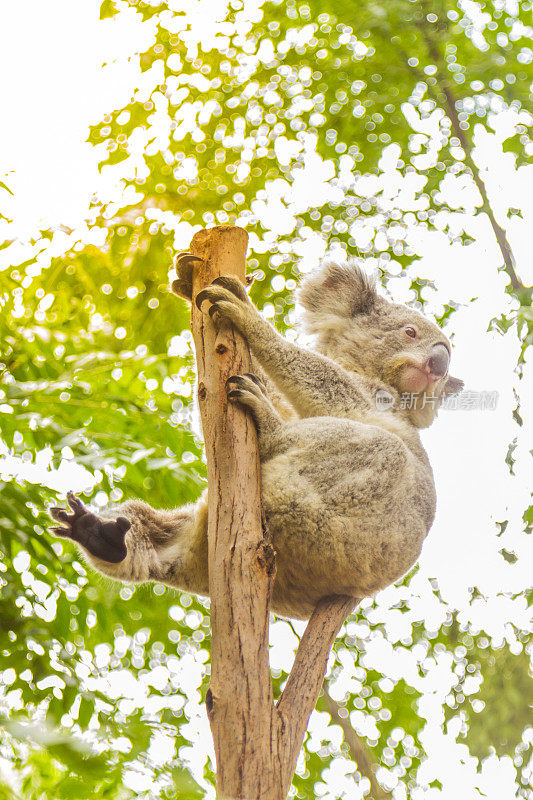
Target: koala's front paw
(248, 390)
(241, 388)
(104, 540)
(184, 265)
(228, 299)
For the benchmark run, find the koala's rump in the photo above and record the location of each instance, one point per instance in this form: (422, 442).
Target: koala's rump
(342, 503)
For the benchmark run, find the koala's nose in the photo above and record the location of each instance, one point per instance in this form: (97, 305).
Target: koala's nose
(439, 360)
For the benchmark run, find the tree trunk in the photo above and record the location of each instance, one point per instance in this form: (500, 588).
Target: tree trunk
(241, 562)
(256, 742)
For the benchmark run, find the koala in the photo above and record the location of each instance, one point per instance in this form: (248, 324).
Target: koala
(347, 487)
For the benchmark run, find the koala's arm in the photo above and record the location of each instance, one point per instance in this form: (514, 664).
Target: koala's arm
(314, 384)
(134, 542)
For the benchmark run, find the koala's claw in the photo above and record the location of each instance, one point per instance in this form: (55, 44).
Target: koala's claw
(233, 379)
(257, 380)
(232, 285)
(224, 288)
(182, 289)
(238, 386)
(60, 515)
(184, 264)
(104, 540)
(212, 310)
(76, 504)
(200, 297)
(185, 258)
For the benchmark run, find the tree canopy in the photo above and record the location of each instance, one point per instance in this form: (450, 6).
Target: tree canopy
(383, 130)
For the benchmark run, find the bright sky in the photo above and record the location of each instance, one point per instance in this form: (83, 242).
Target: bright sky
(54, 87)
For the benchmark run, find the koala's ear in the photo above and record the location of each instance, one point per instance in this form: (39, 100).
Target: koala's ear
(453, 386)
(341, 290)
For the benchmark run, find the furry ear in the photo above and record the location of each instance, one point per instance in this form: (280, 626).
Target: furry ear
(341, 290)
(453, 386)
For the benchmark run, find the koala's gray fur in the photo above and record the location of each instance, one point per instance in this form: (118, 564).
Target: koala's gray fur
(348, 489)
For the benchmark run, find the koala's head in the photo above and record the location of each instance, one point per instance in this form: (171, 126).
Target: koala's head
(365, 333)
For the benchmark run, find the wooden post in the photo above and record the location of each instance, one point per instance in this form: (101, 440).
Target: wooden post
(256, 742)
(241, 561)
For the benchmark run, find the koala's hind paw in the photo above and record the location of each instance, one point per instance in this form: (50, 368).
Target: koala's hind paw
(184, 264)
(104, 540)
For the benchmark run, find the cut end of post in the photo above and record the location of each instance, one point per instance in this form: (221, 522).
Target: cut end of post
(224, 245)
(216, 251)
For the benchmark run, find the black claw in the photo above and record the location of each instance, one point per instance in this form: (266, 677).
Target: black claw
(255, 378)
(214, 309)
(235, 394)
(76, 504)
(239, 380)
(59, 514)
(188, 258)
(182, 288)
(64, 532)
(233, 285)
(184, 264)
(200, 297)
(103, 540)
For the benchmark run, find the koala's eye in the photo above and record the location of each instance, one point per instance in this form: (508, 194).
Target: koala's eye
(411, 332)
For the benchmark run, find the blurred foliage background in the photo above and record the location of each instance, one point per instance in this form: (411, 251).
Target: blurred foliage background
(101, 686)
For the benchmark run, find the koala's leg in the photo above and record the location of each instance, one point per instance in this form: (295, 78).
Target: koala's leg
(135, 542)
(250, 391)
(314, 384)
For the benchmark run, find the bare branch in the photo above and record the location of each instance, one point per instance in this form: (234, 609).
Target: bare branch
(451, 109)
(358, 751)
(303, 684)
